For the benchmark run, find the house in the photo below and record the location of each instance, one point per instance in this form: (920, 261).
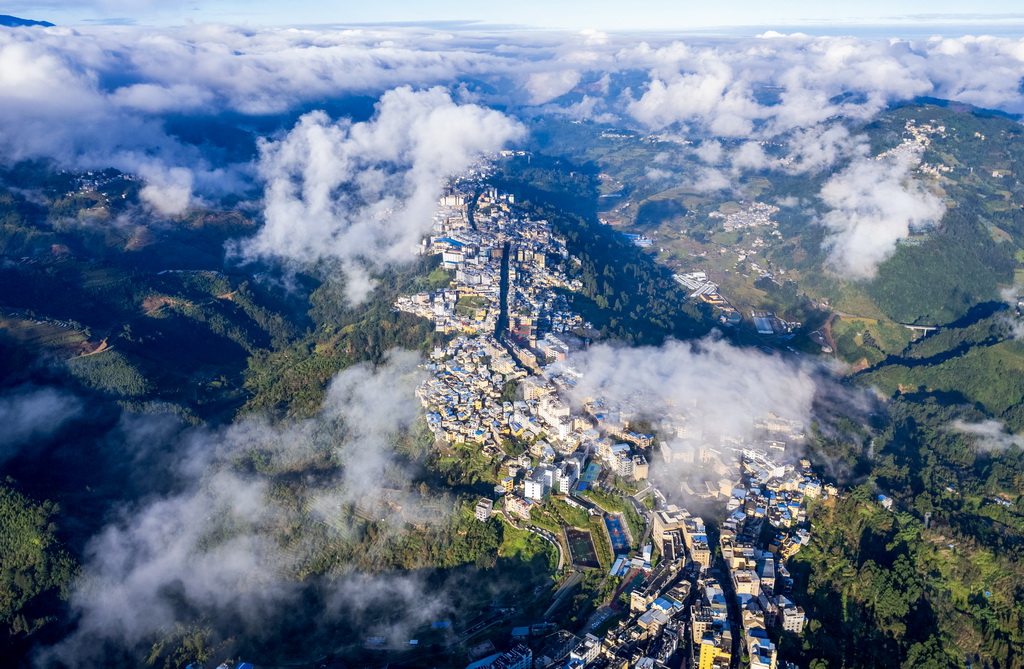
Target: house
(483, 509)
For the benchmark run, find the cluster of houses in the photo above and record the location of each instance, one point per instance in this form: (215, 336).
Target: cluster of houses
(916, 140)
(686, 602)
(748, 215)
(101, 182)
(465, 394)
(677, 592)
(464, 390)
(484, 240)
(774, 493)
(699, 286)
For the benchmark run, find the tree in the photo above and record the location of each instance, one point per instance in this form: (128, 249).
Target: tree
(32, 562)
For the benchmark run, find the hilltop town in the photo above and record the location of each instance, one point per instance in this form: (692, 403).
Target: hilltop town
(594, 477)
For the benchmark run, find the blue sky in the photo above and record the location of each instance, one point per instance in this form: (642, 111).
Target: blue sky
(871, 16)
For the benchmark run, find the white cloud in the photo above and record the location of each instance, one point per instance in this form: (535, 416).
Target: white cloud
(750, 156)
(714, 88)
(872, 205)
(546, 86)
(364, 193)
(96, 98)
(710, 152)
(989, 435)
(28, 413)
(710, 180)
(817, 147)
(728, 387)
(169, 192)
(213, 547)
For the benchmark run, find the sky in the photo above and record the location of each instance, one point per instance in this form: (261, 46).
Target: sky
(740, 16)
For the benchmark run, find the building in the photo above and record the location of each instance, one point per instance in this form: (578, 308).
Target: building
(587, 650)
(673, 547)
(640, 468)
(672, 518)
(712, 654)
(793, 619)
(554, 649)
(518, 506)
(696, 539)
(569, 472)
(702, 619)
(518, 657)
(762, 652)
(541, 481)
(483, 509)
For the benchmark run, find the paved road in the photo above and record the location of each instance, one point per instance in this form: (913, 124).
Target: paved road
(553, 540)
(598, 617)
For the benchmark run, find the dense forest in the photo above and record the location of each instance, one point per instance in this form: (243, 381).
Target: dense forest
(934, 582)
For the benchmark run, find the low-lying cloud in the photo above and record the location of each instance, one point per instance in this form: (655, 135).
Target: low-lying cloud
(989, 435)
(705, 392)
(873, 204)
(29, 413)
(99, 97)
(364, 193)
(218, 547)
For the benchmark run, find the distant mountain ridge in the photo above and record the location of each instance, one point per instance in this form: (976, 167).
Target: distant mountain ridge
(15, 22)
(959, 107)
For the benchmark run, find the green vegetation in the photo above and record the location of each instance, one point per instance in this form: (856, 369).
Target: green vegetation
(110, 372)
(569, 515)
(525, 546)
(961, 262)
(939, 576)
(603, 546)
(595, 589)
(937, 281)
(144, 317)
(976, 364)
(466, 465)
(290, 381)
(168, 320)
(948, 341)
(183, 646)
(468, 304)
(869, 340)
(32, 563)
(625, 294)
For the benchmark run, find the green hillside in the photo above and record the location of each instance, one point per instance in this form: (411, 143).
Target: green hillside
(980, 364)
(935, 277)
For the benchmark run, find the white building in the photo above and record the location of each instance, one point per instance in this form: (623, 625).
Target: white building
(793, 619)
(542, 480)
(588, 650)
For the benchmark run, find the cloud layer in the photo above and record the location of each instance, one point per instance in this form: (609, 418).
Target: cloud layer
(708, 389)
(102, 93)
(29, 413)
(989, 435)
